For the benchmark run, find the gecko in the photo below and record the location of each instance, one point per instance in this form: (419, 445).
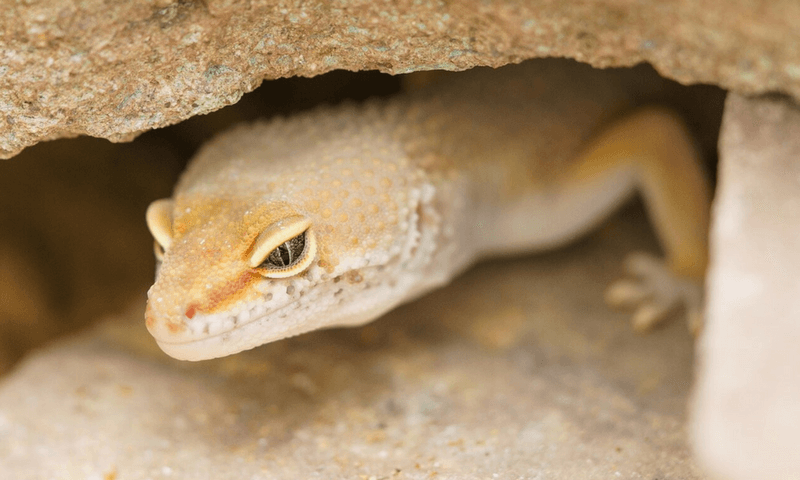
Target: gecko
(334, 216)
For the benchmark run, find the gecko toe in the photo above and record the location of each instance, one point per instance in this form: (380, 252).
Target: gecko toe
(626, 294)
(655, 293)
(650, 314)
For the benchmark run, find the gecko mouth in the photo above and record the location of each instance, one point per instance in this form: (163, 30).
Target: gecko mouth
(276, 315)
(203, 326)
(225, 335)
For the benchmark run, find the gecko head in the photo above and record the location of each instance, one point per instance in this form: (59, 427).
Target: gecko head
(233, 274)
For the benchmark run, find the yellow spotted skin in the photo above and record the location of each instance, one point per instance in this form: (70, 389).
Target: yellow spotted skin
(401, 195)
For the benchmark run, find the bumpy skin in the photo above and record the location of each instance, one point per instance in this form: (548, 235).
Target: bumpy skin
(401, 195)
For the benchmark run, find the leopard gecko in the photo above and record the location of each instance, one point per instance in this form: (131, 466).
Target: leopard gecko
(334, 216)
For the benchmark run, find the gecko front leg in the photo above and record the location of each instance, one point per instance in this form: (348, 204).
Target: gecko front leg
(655, 146)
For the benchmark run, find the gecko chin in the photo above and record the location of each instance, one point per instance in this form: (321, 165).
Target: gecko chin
(256, 332)
(212, 335)
(285, 309)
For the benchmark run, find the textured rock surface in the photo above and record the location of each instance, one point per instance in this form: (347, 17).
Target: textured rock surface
(116, 69)
(747, 404)
(517, 370)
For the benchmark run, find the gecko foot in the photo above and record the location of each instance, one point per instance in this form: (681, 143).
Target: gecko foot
(654, 292)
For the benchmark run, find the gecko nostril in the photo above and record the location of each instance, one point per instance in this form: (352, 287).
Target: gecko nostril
(191, 311)
(290, 290)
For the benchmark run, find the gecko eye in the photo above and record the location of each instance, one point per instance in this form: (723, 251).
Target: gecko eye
(285, 248)
(287, 254)
(159, 221)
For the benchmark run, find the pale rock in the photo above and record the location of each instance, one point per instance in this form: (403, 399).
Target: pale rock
(746, 422)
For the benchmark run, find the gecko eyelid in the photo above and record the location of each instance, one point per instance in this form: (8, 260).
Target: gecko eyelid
(284, 248)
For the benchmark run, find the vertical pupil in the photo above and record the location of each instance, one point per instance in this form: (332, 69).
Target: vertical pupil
(284, 255)
(288, 252)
